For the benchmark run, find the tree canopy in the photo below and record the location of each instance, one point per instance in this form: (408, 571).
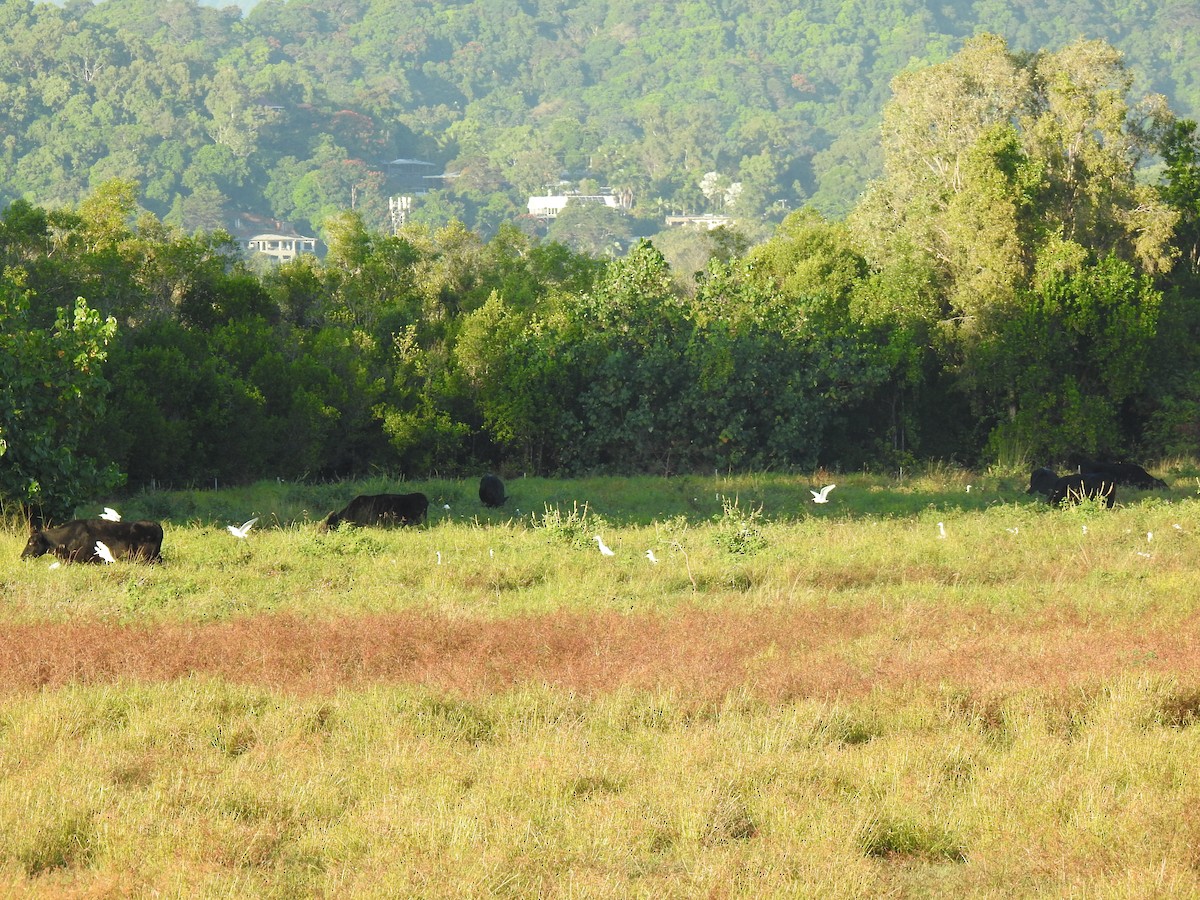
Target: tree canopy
(295, 109)
(1018, 284)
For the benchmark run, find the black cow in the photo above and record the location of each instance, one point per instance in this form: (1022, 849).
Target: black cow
(1121, 473)
(491, 491)
(76, 541)
(1070, 488)
(381, 509)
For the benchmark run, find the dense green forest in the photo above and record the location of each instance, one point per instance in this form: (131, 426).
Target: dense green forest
(1017, 283)
(293, 110)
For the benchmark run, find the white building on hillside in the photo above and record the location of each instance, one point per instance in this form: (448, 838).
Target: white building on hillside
(281, 247)
(706, 222)
(549, 206)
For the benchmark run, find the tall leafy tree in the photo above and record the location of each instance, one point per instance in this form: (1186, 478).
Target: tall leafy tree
(52, 393)
(1004, 173)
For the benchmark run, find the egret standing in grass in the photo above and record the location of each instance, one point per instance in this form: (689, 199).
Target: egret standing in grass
(110, 514)
(604, 548)
(650, 556)
(822, 496)
(941, 529)
(240, 533)
(103, 552)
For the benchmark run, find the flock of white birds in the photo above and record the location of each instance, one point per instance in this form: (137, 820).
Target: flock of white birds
(820, 496)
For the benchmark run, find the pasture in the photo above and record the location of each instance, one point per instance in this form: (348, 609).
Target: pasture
(827, 700)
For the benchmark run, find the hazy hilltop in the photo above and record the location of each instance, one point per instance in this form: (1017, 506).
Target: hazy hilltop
(295, 109)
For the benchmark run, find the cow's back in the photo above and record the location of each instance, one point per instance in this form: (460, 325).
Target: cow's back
(406, 509)
(144, 540)
(380, 509)
(75, 541)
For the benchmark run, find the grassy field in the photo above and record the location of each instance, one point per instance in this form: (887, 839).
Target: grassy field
(933, 685)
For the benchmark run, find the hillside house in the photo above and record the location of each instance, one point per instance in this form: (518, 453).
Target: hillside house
(705, 222)
(270, 237)
(281, 247)
(551, 205)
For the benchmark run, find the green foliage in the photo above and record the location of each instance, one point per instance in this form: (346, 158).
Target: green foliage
(576, 528)
(985, 296)
(52, 392)
(216, 113)
(1180, 188)
(1007, 177)
(1061, 367)
(739, 531)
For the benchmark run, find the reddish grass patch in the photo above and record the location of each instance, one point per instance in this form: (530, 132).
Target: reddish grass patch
(702, 654)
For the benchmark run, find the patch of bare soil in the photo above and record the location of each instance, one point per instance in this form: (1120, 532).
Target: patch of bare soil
(701, 654)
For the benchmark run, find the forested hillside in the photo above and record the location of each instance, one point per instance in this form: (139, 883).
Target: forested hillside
(293, 110)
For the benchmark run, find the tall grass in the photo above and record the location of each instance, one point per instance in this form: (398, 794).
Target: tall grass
(795, 701)
(203, 788)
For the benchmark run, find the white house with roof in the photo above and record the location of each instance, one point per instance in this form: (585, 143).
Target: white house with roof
(705, 222)
(270, 237)
(281, 247)
(551, 205)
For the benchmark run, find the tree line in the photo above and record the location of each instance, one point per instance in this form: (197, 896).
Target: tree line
(1017, 285)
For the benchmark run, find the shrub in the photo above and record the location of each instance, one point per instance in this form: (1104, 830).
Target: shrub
(739, 531)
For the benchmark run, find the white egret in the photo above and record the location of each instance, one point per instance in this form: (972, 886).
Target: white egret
(240, 533)
(110, 514)
(941, 529)
(103, 552)
(822, 496)
(650, 556)
(604, 548)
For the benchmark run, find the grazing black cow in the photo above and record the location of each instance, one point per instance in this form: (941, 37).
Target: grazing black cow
(76, 541)
(381, 509)
(491, 491)
(1070, 488)
(1121, 473)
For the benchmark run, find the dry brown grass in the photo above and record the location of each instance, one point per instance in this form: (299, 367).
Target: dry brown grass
(701, 654)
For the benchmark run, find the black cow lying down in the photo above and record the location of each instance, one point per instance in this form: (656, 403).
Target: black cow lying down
(1121, 473)
(380, 509)
(76, 541)
(1070, 488)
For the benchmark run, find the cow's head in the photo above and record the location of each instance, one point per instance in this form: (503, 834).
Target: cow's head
(1041, 481)
(37, 545)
